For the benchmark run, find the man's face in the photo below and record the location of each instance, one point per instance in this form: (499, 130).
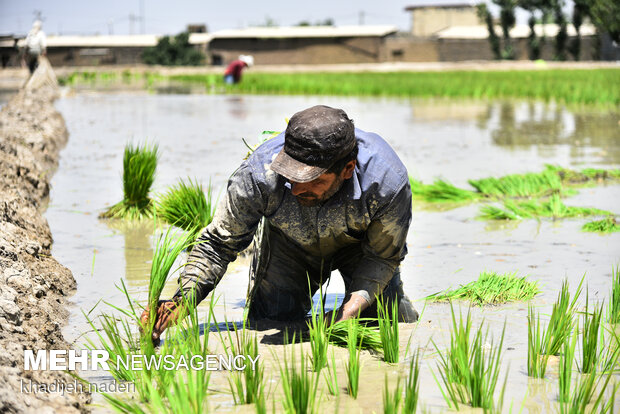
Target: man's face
(326, 185)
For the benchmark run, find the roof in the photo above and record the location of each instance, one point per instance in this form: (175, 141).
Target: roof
(110, 40)
(442, 5)
(306, 31)
(519, 31)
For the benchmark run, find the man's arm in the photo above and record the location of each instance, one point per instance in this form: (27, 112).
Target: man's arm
(231, 231)
(383, 249)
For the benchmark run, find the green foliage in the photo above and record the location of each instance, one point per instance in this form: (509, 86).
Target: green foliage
(491, 288)
(561, 322)
(176, 51)
(388, 329)
(299, 386)
(591, 338)
(614, 302)
(186, 206)
(139, 164)
(412, 386)
(440, 192)
(368, 336)
(536, 358)
(520, 185)
(353, 365)
(607, 225)
(566, 367)
(468, 372)
(331, 377)
(485, 16)
(391, 400)
(167, 250)
(554, 207)
(319, 335)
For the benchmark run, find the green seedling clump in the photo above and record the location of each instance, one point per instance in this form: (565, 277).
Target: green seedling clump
(554, 207)
(561, 322)
(388, 329)
(299, 386)
(607, 225)
(391, 400)
(491, 289)
(470, 374)
(614, 303)
(139, 165)
(440, 192)
(368, 336)
(185, 205)
(412, 385)
(353, 365)
(519, 185)
(536, 358)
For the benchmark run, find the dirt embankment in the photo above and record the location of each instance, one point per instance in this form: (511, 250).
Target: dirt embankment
(33, 285)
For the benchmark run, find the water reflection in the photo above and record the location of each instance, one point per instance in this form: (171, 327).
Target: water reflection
(545, 126)
(138, 248)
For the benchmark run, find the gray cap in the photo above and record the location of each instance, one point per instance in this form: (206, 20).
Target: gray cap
(314, 140)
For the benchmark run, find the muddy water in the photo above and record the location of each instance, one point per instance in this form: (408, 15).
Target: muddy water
(200, 136)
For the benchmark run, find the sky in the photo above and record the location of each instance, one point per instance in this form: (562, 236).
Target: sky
(88, 17)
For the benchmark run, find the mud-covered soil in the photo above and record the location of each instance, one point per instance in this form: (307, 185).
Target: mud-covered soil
(33, 285)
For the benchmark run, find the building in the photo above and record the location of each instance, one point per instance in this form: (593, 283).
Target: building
(429, 19)
(302, 44)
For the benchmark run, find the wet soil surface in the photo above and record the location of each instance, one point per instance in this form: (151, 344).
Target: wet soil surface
(33, 285)
(200, 137)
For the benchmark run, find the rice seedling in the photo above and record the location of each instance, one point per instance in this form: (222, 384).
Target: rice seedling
(392, 400)
(368, 336)
(300, 387)
(491, 288)
(566, 368)
(591, 336)
(554, 207)
(412, 385)
(561, 321)
(139, 163)
(607, 225)
(614, 303)
(536, 358)
(469, 373)
(319, 333)
(186, 205)
(588, 394)
(388, 329)
(331, 377)
(166, 252)
(353, 365)
(519, 185)
(440, 192)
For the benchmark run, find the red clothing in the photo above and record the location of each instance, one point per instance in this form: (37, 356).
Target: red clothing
(235, 68)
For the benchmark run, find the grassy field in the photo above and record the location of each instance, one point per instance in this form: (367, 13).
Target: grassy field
(571, 86)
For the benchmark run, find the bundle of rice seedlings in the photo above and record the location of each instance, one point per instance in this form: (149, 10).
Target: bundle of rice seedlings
(536, 359)
(331, 377)
(554, 207)
(412, 385)
(561, 323)
(468, 372)
(139, 163)
(299, 386)
(186, 205)
(319, 335)
(368, 336)
(519, 185)
(566, 367)
(353, 365)
(167, 249)
(491, 288)
(440, 192)
(388, 329)
(607, 225)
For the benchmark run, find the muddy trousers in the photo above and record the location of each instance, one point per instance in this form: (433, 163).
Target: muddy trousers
(283, 279)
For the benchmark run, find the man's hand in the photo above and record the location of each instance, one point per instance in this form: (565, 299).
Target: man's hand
(168, 312)
(349, 309)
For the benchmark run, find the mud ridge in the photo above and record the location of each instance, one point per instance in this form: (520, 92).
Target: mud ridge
(33, 286)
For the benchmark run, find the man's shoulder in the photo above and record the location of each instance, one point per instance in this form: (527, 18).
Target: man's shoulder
(378, 162)
(259, 162)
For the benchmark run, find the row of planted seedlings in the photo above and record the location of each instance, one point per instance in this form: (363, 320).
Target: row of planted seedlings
(468, 371)
(526, 196)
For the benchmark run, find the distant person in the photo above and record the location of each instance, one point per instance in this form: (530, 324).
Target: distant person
(36, 45)
(235, 68)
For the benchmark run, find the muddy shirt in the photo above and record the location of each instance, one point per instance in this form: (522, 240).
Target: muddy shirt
(372, 208)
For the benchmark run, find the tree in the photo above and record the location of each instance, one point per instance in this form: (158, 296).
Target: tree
(562, 36)
(580, 10)
(175, 51)
(507, 20)
(604, 15)
(485, 16)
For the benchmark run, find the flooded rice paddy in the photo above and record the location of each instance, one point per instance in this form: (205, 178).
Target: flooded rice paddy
(200, 136)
